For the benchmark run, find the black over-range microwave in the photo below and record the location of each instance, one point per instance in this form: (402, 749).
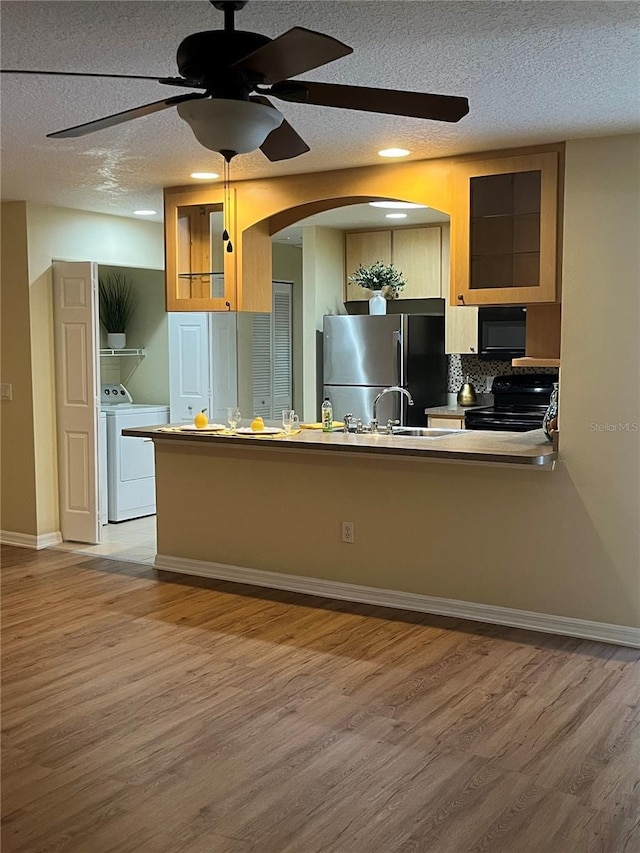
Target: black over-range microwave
(502, 332)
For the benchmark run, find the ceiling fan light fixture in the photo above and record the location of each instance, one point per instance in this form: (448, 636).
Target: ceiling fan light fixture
(395, 216)
(222, 124)
(204, 176)
(394, 152)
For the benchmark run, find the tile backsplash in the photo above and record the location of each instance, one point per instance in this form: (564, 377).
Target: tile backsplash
(481, 372)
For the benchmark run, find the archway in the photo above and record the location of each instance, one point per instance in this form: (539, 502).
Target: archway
(326, 255)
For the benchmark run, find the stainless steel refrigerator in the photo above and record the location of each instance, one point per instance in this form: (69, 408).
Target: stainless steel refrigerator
(364, 354)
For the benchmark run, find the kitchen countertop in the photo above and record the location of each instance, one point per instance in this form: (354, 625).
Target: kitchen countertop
(529, 449)
(455, 410)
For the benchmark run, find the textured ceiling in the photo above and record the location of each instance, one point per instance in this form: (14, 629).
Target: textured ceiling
(533, 72)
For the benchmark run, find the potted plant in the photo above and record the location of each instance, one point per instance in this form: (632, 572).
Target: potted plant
(385, 282)
(116, 307)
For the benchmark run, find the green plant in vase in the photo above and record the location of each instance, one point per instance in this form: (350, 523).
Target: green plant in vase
(380, 277)
(117, 303)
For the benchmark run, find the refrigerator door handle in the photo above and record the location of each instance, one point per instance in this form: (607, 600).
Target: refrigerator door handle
(397, 337)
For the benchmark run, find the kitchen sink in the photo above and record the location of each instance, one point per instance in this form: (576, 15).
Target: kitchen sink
(423, 432)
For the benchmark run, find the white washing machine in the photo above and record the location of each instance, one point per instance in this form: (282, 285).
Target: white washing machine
(102, 463)
(131, 477)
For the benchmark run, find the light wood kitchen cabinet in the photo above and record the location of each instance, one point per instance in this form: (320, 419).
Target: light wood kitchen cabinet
(505, 230)
(200, 251)
(362, 249)
(415, 252)
(201, 273)
(440, 422)
(461, 329)
(460, 322)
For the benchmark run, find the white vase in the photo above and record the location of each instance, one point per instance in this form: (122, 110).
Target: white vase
(377, 303)
(116, 340)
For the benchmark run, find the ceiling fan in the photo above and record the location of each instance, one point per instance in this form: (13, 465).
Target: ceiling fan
(237, 69)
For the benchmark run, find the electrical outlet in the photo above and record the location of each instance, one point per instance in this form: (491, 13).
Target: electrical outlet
(6, 391)
(348, 532)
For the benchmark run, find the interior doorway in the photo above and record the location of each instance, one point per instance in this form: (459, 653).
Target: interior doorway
(81, 374)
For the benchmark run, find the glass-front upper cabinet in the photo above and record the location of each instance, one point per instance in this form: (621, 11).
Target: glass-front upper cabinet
(200, 251)
(504, 232)
(199, 268)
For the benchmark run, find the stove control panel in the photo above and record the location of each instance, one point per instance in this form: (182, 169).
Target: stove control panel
(113, 394)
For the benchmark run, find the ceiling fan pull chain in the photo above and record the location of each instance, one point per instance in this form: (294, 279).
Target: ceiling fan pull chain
(227, 198)
(225, 169)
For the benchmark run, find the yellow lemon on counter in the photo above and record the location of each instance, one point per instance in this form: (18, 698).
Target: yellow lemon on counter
(201, 420)
(257, 424)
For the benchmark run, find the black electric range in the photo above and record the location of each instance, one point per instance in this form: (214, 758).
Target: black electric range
(519, 403)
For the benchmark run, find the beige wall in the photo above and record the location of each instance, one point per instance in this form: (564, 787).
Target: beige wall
(323, 273)
(600, 380)
(564, 542)
(54, 233)
(18, 480)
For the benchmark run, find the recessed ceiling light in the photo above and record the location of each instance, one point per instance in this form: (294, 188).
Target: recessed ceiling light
(397, 205)
(395, 216)
(205, 176)
(394, 152)
(145, 212)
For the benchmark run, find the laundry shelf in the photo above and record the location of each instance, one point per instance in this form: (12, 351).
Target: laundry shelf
(138, 353)
(131, 366)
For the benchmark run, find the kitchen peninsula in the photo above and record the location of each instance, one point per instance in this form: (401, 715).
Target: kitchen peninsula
(452, 446)
(270, 512)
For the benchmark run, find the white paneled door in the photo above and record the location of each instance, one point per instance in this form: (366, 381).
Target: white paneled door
(189, 368)
(202, 365)
(224, 364)
(75, 301)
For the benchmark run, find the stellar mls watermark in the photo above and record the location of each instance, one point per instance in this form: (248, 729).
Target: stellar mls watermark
(619, 426)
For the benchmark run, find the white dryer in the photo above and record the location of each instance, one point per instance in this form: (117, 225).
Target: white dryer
(130, 461)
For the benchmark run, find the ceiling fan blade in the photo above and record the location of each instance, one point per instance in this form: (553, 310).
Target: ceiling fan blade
(294, 52)
(284, 142)
(388, 101)
(119, 118)
(167, 81)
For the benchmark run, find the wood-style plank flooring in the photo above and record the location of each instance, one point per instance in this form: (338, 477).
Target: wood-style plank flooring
(141, 716)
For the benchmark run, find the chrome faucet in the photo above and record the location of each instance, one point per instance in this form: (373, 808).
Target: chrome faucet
(400, 390)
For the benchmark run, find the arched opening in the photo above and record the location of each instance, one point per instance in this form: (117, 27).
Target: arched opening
(314, 245)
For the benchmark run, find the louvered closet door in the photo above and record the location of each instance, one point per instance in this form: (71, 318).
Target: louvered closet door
(271, 356)
(261, 364)
(282, 396)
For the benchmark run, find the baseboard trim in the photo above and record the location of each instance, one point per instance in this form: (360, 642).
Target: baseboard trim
(28, 540)
(547, 623)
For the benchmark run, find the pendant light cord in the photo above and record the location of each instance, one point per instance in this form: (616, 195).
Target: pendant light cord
(226, 183)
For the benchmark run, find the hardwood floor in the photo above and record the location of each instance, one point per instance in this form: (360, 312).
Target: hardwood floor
(149, 717)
